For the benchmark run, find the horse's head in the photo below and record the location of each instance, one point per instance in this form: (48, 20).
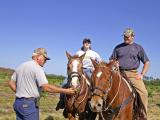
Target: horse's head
(74, 69)
(101, 83)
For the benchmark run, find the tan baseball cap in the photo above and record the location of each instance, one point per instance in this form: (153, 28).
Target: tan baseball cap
(41, 51)
(128, 32)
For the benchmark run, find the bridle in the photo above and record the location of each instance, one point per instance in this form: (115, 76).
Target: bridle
(105, 92)
(82, 78)
(108, 107)
(72, 75)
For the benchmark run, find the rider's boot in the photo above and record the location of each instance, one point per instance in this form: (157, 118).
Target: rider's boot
(61, 103)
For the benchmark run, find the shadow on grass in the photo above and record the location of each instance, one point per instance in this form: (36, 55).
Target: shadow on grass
(158, 105)
(49, 118)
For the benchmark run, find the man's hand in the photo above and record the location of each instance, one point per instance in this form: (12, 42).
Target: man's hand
(139, 77)
(71, 91)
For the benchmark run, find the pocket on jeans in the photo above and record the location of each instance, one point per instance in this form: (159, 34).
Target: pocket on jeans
(26, 107)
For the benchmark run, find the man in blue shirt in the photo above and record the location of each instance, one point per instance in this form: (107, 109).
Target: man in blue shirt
(129, 55)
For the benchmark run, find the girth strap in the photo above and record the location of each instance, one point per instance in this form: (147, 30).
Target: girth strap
(114, 111)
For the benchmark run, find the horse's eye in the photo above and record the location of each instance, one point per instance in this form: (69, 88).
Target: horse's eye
(68, 68)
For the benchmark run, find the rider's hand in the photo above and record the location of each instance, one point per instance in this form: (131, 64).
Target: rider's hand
(117, 64)
(139, 77)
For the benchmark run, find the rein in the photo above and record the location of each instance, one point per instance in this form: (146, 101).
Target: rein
(103, 91)
(84, 78)
(115, 94)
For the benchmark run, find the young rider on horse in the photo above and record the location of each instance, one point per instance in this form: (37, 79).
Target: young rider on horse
(90, 54)
(87, 65)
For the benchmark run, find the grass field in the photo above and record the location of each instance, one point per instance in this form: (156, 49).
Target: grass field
(49, 101)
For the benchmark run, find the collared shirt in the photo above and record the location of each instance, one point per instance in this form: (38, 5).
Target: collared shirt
(29, 78)
(129, 55)
(90, 54)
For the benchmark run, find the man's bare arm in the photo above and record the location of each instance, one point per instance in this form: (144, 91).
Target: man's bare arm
(56, 89)
(12, 85)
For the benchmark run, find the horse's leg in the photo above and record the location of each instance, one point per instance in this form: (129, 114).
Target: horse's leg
(87, 116)
(82, 116)
(71, 117)
(92, 116)
(103, 116)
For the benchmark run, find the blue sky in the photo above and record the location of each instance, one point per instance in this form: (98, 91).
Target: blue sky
(60, 25)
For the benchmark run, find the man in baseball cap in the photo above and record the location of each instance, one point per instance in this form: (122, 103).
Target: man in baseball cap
(129, 55)
(27, 81)
(128, 32)
(41, 51)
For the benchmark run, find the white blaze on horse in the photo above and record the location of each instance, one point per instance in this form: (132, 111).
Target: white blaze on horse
(112, 96)
(78, 104)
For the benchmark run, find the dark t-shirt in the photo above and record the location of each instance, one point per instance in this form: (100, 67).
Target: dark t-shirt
(129, 55)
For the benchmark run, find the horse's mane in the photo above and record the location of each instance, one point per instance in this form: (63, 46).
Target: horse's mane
(102, 63)
(107, 64)
(75, 56)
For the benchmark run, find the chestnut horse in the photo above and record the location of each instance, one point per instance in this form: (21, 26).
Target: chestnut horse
(77, 105)
(112, 96)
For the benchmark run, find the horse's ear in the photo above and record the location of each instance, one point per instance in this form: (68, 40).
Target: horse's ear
(82, 56)
(95, 64)
(113, 64)
(68, 55)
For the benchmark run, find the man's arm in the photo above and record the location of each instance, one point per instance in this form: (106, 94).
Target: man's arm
(144, 70)
(56, 89)
(12, 85)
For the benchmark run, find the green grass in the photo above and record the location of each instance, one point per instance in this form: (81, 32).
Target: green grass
(54, 79)
(48, 101)
(152, 87)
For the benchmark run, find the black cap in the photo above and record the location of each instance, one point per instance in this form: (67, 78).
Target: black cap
(86, 40)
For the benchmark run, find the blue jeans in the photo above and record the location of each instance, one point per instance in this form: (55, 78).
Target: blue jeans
(26, 109)
(88, 72)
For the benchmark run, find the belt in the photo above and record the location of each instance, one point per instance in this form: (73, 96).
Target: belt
(36, 100)
(24, 98)
(128, 70)
(87, 68)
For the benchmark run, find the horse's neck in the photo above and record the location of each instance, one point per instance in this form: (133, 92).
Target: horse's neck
(116, 86)
(116, 80)
(121, 87)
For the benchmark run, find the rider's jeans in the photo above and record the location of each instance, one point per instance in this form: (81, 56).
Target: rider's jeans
(88, 72)
(139, 86)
